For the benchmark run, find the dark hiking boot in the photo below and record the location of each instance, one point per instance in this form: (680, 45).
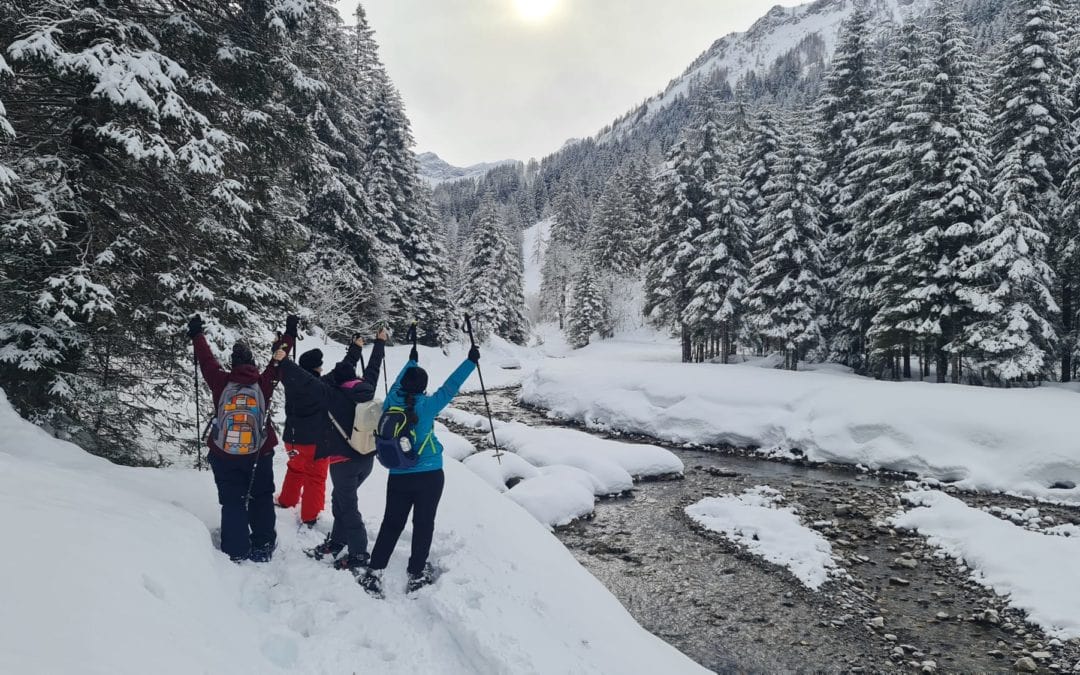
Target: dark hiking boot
(418, 581)
(327, 549)
(238, 558)
(354, 562)
(371, 581)
(310, 523)
(262, 554)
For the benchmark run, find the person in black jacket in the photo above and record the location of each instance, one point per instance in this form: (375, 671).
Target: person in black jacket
(305, 416)
(337, 394)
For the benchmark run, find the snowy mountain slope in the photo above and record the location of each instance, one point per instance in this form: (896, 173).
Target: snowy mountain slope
(435, 170)
(782, 29)
(109, 569)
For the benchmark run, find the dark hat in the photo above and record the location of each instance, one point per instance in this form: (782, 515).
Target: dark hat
(344, 372)
(414, 381)
(311, 360)
(241, 355)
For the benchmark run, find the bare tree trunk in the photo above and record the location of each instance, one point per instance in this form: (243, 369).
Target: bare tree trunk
(942, 363)
(687, 346)
(907, 360)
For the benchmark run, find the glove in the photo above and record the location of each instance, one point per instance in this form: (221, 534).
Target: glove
(474, 354)
(194, 326)
(413, 355)
(292, 324)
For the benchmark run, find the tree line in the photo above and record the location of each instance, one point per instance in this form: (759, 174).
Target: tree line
(162, 157)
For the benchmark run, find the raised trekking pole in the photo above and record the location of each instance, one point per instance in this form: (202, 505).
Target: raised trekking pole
(483, 390)
(385, 378)
(411, 335)
(198, 422)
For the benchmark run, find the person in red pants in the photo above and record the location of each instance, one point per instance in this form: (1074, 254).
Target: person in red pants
(305, 478)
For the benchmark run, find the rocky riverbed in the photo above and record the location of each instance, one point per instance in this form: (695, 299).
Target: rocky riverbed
(898, 606)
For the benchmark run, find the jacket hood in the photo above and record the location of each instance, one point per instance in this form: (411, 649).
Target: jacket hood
(245, 374)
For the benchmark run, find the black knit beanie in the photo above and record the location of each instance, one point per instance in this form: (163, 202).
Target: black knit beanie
(344, 372)
(241, 355)
(311, 360)
(414, 381)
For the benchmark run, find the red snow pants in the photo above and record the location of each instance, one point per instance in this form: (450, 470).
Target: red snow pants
(305, 481)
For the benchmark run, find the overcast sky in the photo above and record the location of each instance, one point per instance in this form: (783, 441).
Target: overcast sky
(484, 81)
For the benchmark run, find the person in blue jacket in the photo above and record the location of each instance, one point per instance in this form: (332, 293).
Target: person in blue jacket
(419, 488)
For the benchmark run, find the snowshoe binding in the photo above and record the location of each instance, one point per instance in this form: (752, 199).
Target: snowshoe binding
(418, 581)
(371, 581)
(327, 549)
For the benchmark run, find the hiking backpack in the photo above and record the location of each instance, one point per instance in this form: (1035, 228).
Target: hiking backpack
(239, 428)
(365, 421)
(393, 440)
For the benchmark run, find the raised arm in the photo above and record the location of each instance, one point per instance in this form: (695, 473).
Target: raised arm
(378, 353)
(271, 375)
(302, 382)
(212, 371)
(374, 364)
(446, 393)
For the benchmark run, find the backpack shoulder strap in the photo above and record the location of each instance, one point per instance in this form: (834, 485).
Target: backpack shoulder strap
(337, 426)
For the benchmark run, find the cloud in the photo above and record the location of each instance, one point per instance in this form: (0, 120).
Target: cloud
(480, 83)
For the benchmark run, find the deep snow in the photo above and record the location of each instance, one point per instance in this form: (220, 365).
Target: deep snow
(756, 521)
(109, 569)
(1035, 571)
(1013, 440)
(561, 470)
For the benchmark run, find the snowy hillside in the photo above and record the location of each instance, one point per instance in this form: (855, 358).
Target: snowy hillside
(435, 170)
(815, 24)
(112, 570)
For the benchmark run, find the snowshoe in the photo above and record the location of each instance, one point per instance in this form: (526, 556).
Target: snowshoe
(371, 581)
(262, 554)
(354, 562)
(418, 581)
(327, 549)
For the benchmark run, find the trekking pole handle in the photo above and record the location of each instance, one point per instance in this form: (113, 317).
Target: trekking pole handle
(468, 329)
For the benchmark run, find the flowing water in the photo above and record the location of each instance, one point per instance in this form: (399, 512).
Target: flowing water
(900, 606)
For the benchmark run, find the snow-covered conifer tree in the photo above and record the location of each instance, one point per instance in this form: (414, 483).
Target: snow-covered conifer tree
(493, 292)
(786, 291)
(1007, 275)
(842, 111)
(717, 275)
(588, 307)
(939, 198)
(612, 235)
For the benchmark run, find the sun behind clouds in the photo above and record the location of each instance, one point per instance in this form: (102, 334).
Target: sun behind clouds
(535, 10)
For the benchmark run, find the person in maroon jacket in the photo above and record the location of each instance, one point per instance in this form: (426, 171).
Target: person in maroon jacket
(245, 482)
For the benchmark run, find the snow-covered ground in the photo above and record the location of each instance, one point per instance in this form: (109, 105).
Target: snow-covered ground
(1010, 440)
(109, 569)
(756, 521)
(561, 470)
(1036, 571)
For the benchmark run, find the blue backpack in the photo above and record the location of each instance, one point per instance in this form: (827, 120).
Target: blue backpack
(393, 440)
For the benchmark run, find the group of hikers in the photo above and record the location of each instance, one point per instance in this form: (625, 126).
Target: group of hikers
(333, 424)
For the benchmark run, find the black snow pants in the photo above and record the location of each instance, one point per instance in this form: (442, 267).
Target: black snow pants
(245, 525)
(420, 493)
(348, 523)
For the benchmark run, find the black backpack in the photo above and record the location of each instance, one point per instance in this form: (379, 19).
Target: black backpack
(393, 440)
